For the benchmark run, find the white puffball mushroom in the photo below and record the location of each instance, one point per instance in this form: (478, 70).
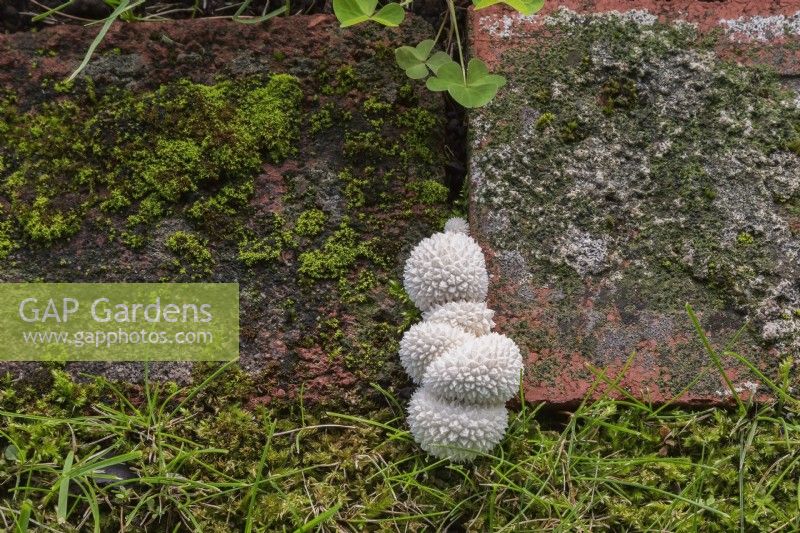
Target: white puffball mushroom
(483, 371)
(426, 341)
(455, 431)
(456, 225)
(474, 317)
(446, 267)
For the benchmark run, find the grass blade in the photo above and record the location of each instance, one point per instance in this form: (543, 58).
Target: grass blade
(714, 356)
(763, 378)
(21, 524)
(40, 17)
(251, 498)
(123, 6)
(257, 20)
(320, 519)
(63, 489)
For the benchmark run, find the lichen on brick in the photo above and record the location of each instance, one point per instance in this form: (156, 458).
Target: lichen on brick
(630, 155)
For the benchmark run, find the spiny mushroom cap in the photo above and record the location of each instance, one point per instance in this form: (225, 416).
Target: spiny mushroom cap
(456, 225)
(426, 341)
(482, 371)
(446, 267)
(455, 431)
(474, 317)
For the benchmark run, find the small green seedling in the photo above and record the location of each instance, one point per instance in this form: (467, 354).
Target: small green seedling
(471, 85)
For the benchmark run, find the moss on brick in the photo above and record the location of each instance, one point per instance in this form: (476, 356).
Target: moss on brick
(192, 254)
(310, 223)
(219, 181)
(170, 143)
(336, 256)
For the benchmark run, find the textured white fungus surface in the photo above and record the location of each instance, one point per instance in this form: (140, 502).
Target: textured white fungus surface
(446, 267)
(483, 371)
(456, 225)
(426, 341)
(474, 317)
(455, 431)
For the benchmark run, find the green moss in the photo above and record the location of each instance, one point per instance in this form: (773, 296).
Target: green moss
(174, 168)
(353, 188)
(64, 87)
(374, 107)
(338, 254)
(571, 131)
(417, 142)
(310, 223)
(544, 120)
(270, 115)
(255, 248)
(430, 192)
(343, 81)
(369, 146)
(113, 151)
(744, 239)
(322, 119)
(44, 224)
(252, 251)
(357, 292)
(215, 211)
(150, 210)
(7, 244)
(618, 94)
(193, 255)
(116, 201)
(202, 159)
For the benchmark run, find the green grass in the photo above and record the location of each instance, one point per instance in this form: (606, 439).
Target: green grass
(94, 456)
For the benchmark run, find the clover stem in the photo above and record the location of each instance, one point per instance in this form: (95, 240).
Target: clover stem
(454, 22)
(439, 33)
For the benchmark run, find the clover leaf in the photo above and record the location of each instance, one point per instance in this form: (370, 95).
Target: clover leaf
(437, 60)
(473, 90)
(525, 7)
(412, 59)
(350, 12)
(390, 15)
(416, 60)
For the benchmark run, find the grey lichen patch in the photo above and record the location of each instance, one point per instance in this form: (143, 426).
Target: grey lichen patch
(626, 152)
(584, 252)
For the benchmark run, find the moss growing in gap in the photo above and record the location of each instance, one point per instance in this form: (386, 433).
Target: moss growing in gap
(430, 192)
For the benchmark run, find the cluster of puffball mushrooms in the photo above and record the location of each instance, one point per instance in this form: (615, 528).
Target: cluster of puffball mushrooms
(466, 372)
